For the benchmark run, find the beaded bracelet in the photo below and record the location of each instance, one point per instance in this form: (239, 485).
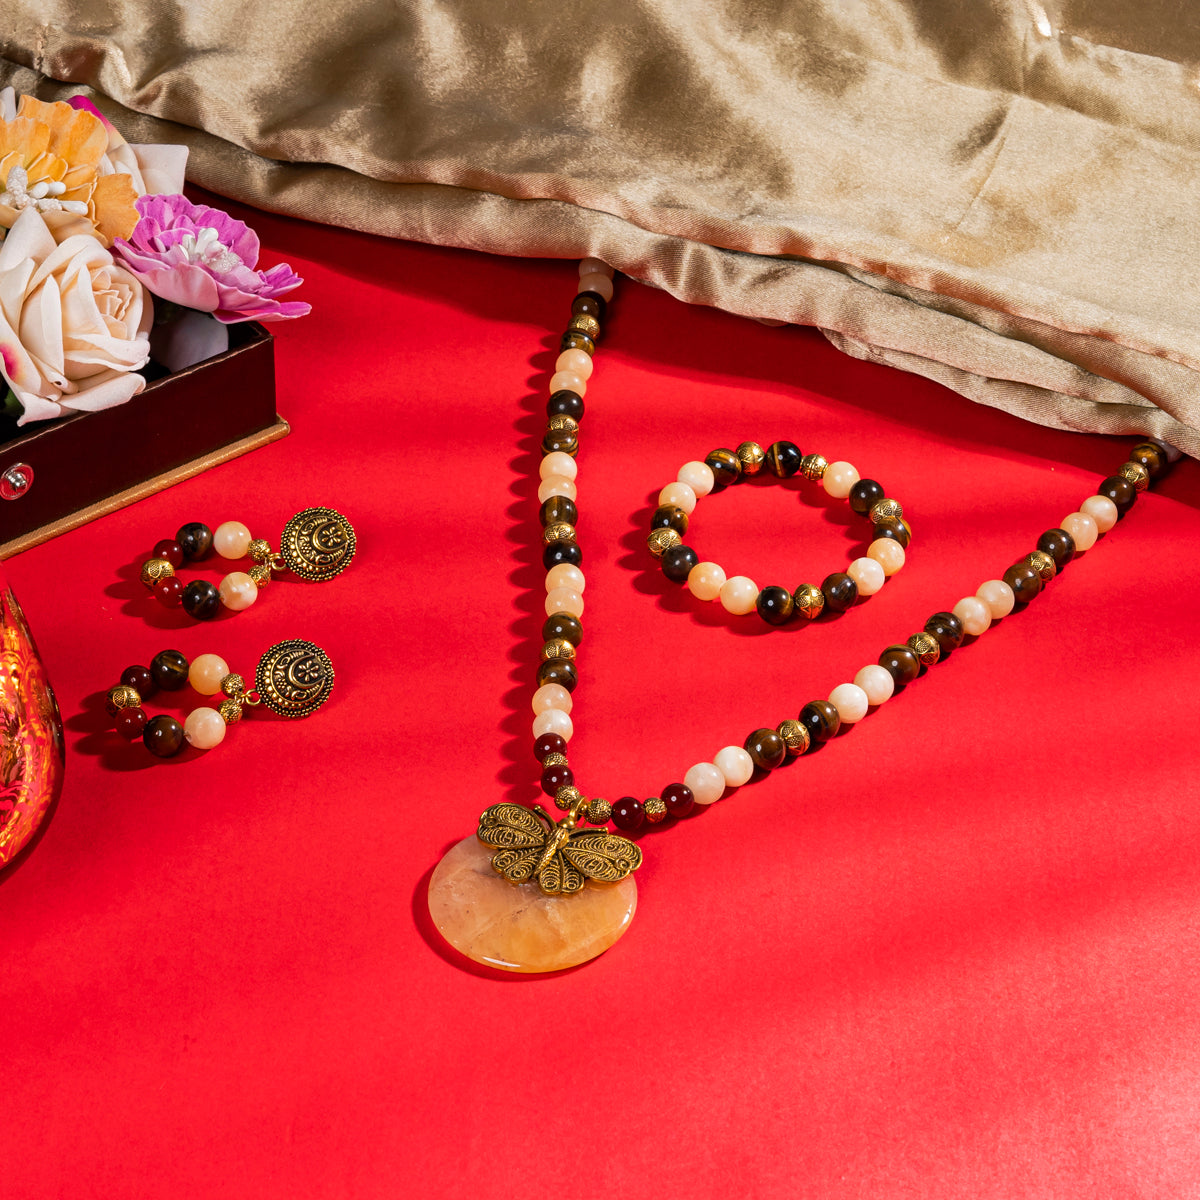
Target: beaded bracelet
(740, 595)
(316, 544)
(293, 678)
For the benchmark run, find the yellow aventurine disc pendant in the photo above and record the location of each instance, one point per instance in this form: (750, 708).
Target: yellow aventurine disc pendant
(516, 926)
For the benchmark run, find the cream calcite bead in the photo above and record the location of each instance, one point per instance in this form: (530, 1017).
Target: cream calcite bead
(238, 591)
(517, 927)
(565, 575)
(559, 464)
(706, 782)
(851, 702)
(738, 594)
(568, 381)
(1102, 510)
(888, 554)
(597, 282)
(595, 266)
(579, 361)
(563, 599)
(231, 539)
(975, 616)
(553, 720)
(1082, 528)
(998, 596)
(838, 479)
(868, 575)
(698, 476)
(735, 765)
(705, 580)
(678, 494)
(204, 728)
(552, 695)
(206, 672)
(877, 683)
(557, 485)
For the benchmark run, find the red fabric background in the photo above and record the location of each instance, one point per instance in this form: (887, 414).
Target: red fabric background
(950, 954)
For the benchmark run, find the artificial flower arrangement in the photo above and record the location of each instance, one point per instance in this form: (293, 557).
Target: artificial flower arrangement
(95, 230)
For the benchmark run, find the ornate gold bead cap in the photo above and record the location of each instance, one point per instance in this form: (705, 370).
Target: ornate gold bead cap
(233, 685)
(554, 760)
(121, 696)
(885, 510)
(582, 323)
(655, 810)
(795, 737)
(599, 812)
(809, 601)
(558, 648)
(261, 574)
(752, 456)
(154, 569)
(562, 421)
(567, 797)
(662, 540)
(1043, 564)
(560, 531)
(926, 647)
(231, 711)
(1136, 474)
(812, 466)
(260, 550)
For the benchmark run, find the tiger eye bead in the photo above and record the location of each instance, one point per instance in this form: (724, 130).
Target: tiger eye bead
(1025, 581)
(558, 670)
(163, 736)
(808, 601)
(864, 494)
(170, 670)
(796, 738)
(564, 441)
(563, 625)
(573, 340)
(561, 552)
(775, 605)
(946, 629)
(558, 510)
(1059, 544)
(783, 459)
(839, 590)
(926, 647)
(565, 403)
(662, 540)
(766, 748)
(677, 562)
(201, 599)
(897, 529)
(1120, 491)
(900, 663)
(821, 720)
(1150, 456)
(725, 466)
(668, 516)
(598, 812)
(752, 456)
(588, 304)
(196, 540)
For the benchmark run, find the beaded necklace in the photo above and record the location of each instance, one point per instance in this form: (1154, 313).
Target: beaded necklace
(530, 894)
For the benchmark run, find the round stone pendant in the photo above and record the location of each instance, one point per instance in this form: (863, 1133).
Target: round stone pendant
(517, 927)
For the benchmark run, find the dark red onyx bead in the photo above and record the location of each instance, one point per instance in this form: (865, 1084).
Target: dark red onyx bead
(562, 625)
(163, 736)
(1120, 491)
(668, 516)
(677, 563)
(628, 814)
(1150, 456)
(1024, 581)
(169, 592)
(140, 679)
(821, 720)
(775, 605)
(900, 663)
(945, 629)
(589, 304)
(565, 404)
(549, 743)
(863, 494)
(169, 549)
(679, 799)
(766, 748)
(561, 552)
(558, 670)
(1059, 544)
(839, 590)
(554, 778)
(131, 722)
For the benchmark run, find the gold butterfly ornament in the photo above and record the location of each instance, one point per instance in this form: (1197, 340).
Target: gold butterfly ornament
(529, 844)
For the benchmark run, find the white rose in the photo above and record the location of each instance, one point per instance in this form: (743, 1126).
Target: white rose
(74, 326)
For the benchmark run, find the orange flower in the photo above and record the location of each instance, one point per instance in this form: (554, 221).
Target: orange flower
(49, 159)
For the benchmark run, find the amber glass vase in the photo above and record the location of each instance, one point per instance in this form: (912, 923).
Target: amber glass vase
(32, 754)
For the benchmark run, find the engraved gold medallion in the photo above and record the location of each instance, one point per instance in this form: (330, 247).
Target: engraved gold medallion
(294, 678)
(318, 544)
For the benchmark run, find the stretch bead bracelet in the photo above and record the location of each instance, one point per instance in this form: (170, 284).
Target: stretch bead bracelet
(316, 544)
(293, 678)
(739, 594)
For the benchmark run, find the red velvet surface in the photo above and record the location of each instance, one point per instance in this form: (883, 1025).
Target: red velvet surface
(952, 953)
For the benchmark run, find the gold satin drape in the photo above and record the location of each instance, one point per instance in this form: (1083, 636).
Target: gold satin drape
(1001, 196)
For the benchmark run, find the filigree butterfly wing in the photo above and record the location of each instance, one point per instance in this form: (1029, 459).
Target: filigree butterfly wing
(517, 866)
(558, 875)
(601, 855)
(519, 834)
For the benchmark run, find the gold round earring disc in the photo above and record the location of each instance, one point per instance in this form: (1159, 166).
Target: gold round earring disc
(294, 678)
(318, 544)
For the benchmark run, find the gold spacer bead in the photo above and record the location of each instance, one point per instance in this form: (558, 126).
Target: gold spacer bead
(233, 685)
(121, 696)
(926, 647)
(1136, 474)
(154, 569)
(582, 323)
(885, 510)
(558, 648)
(662, 540)
(795, 736)
(812, 466)
(752, 456)
(261, 574)
(599, 812)
(231, 711)
(567, 797)
(1043, 564)
(560, 531)
(808, 601)
(562, 421)
(260, 550)
(655, 810)
(554, 760)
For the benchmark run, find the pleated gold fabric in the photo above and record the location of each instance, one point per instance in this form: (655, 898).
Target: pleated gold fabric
(1000, 196)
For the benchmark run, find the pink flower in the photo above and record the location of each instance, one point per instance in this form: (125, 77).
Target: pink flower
(202, 258)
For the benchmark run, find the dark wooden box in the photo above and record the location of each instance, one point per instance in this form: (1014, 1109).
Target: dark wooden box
(90, 464)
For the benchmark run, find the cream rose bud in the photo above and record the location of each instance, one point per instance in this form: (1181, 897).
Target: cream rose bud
(74, 326)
